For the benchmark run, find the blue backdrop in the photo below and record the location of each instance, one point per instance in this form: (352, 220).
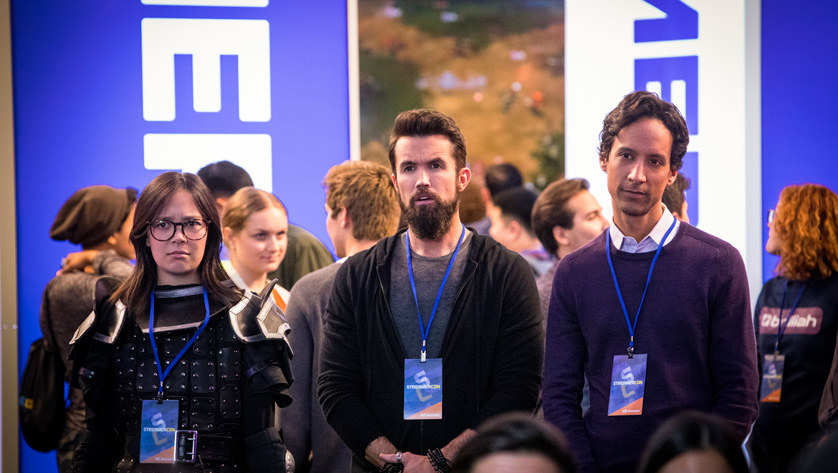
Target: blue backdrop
(799, 100)
(79, 117)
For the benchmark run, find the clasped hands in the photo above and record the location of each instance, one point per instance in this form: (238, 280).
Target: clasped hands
(412, 463)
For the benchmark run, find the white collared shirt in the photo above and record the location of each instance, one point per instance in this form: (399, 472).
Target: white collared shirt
(651, 241)
(284, 294)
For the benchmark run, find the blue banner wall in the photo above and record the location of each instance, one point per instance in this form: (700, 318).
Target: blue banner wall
(80, 118)
(799, 100)
(701, 55)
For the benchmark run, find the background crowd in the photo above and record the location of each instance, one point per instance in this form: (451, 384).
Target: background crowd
(540, 322)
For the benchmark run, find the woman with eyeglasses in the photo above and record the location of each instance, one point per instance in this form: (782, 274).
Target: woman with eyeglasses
(180, 370)
(796, 320)
(255, 229)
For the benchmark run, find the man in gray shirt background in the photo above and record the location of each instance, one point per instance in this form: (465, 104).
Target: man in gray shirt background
(361, 208)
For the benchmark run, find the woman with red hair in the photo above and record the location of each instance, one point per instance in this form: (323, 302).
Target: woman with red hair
(796, 320)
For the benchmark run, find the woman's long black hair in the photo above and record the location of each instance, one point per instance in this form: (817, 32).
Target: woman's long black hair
(135, 291)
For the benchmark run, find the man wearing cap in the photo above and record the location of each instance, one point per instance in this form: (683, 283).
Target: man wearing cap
(98, 218)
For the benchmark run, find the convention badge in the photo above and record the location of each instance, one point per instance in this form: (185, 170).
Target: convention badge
(157, 438)
(423, 389)
(772, 377)
(628, 382)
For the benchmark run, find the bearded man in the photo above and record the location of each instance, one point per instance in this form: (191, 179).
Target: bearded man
(432, 330)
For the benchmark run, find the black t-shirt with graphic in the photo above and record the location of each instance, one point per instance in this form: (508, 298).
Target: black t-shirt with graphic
(808, 344)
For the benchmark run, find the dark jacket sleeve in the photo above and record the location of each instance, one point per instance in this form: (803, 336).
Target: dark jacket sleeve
(518, 352)
(93, 373)
(757, 309)
(267, 365)
(733, 352)
(828, 409)
(341, 380)
(564, 365)
(100, 441)
(266, 452)
(265, 449)
(96, 452)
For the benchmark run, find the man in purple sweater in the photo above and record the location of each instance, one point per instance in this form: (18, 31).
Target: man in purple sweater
(654, 312)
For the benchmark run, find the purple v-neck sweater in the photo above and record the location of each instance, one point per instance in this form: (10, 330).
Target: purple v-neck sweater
(695, 328)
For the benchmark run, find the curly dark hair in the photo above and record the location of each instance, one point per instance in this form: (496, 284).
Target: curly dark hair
(638, 105)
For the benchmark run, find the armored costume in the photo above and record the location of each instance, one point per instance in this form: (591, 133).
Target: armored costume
(231, 369)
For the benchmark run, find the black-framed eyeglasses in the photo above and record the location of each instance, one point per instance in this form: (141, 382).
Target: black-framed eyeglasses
(162, 229)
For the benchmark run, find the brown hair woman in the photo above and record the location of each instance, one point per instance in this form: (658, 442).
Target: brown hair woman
(179, 369)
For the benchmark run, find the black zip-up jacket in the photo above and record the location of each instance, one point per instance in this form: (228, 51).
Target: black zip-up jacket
(492, 350)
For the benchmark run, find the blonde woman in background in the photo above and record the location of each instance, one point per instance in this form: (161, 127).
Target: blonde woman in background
(255, 229)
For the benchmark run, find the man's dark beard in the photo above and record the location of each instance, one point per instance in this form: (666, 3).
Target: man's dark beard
(430, 222)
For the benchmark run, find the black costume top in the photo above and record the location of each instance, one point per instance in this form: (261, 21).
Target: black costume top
(228, 383)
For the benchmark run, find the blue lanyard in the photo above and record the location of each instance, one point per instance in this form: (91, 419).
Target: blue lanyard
(781, 328)
(648, 278)
(162, 374)
(427, 330)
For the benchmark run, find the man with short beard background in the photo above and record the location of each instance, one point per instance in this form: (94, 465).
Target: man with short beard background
(468, 300)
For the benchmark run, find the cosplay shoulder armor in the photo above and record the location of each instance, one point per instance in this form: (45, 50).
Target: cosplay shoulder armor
(256, 317)
(106, 320)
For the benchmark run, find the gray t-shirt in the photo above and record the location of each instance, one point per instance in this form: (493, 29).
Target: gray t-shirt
(427, 274)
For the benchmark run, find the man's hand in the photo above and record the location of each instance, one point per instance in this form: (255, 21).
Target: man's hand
(453, 448)
(381, 451)
(412, 463)
(377, 447)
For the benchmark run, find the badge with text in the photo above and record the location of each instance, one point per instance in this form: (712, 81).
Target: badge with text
(628, 381)
(157, 438)
(772, 378)
(423, 389)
